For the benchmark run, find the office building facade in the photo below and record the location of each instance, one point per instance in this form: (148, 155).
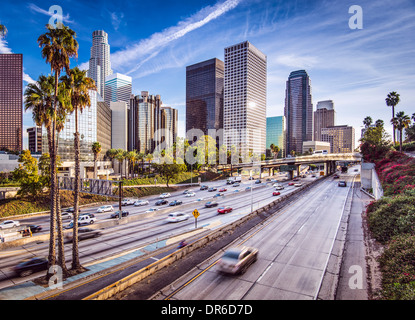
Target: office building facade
(298, 111)
(276, 133)
(341, 138)
(118, 87)
(324, 116)
(104, 126)
(99, 63)
(245, 98)
(11, 101)
(204, 95)
(34, 137)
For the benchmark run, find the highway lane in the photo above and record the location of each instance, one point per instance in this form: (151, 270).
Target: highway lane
(294, 247)
(118, 239)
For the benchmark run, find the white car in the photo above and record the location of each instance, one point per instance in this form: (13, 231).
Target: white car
(84, 219)
(9, 224)
(298, 184)
(127, 202)
(279, 187)
(177, 217)
(105, 208)
(141, 203)
(164, 195)
(66, 215)
(152, 210)
(190, 194)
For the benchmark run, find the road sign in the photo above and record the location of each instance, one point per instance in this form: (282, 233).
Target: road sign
(288, 168)
(196, 213)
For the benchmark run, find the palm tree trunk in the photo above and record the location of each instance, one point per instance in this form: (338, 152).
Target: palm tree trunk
(95, 166)
(76, 265)
(393, 126)
(400, 140)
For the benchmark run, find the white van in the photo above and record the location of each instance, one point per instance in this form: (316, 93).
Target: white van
(106, 208)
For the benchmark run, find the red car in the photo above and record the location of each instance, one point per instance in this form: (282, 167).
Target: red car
(224, 209)
(276, 193)
(223, 190)
(291, 183)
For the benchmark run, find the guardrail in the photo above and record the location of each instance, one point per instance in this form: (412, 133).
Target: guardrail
(139, 275)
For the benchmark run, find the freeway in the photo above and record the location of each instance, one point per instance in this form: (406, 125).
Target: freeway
(294, 247)
(126, 237)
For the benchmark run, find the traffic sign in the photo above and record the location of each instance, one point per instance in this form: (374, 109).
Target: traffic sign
(196, 213)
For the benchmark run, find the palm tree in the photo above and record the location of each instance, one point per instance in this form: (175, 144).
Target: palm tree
(149, 158)
(379, 123)
(392, 100)
(79, 85)
(132, 157)
(120, 156)
(274, 149)
(367, 122)
(401, 121)
(3, 30)
(58, 46)
(96, 149)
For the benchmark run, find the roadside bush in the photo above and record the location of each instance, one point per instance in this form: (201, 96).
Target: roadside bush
(398, 268)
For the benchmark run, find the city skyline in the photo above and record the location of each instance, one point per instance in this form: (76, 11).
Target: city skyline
(354, 68)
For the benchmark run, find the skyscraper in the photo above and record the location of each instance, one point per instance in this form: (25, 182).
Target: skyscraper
(118, 87)
(99, 63)
(245, 98)
(276, 133)
(168, 123)
(11, 101)
(341, 138)
(204, 95)
(298, 111)
(324, 117)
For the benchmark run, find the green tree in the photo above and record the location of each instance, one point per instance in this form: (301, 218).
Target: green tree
(27, 174)
(58, 46)
(169, 170)
(392, 100)
(3, 30)
(367, 121)
(96, 149)
(400, 122)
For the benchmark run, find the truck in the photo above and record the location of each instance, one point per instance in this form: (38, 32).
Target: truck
(232, 180)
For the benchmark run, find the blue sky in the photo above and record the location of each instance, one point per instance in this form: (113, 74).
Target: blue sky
(154, 41)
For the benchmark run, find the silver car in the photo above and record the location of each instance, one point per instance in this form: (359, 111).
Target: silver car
(237, 260)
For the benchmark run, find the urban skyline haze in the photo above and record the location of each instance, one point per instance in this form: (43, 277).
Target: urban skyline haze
(356, 68)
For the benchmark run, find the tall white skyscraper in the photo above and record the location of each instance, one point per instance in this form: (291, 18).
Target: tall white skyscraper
(99, 63)
(245, 98)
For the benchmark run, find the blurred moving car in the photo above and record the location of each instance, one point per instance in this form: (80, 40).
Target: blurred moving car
(211, 189)
(127, 202)
(35, 228)
(342, 183)
(211, 204)
(204, 187)
(177, 217)
(224, 210)
(152, 210)
(298, 184)
(190, 194)
(223, 189)
(237, 260)
(29, 266)
(116, 214)
(139, 203)
(164, 195)
(84, 233)
(276, 193)
(9, 224)
(161, 202)
(105, 208)
(175, 203)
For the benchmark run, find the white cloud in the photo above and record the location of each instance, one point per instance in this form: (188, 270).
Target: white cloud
(3, 46)
(149, 48)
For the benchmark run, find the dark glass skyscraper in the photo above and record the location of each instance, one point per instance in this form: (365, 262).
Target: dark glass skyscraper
(298, 111)
(204, 95)
(11, 101)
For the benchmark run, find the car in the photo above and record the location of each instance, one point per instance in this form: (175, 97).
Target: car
(139, 203)
(91, 215)
(218, 195)
(152, 210)
(222, 190)
(342, 183)
(237, 260)
(211, 204)
(127, 202)
(247, 188)
(258, 181)
(116, 214)
(236, 185)
(177, 217)
(190, 194)
(276, 193)
(211, 189)
(72, 210)
(29, 266)
(296, 179)
(298, 184)
(175, 203)
(290, 183)
(105, 208)
(224, 209)
(83, 219)
(7, 224)
(356, 170)
(164, 195)
(66, 215)
(336, 176)
(204, 187)
(187, 191)
(161, 202)
(84, 233)
(34, 228)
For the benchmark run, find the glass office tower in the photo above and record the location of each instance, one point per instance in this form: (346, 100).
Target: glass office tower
(11, 101)
(276, 131)
(118, 87)
(298, 111)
